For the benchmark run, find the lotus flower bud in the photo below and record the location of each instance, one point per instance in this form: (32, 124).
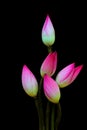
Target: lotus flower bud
(51, 89)
(49, 65)
(67, 75)
(29, 82)
(48, 32)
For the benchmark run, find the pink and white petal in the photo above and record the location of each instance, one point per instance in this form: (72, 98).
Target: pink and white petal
(66, 81)
(48, 27)
(64, 73)
(51, 89)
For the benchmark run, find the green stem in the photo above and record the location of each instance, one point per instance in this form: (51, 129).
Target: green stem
(39, 116)
(52, 116)
(47, 115)
(39, 106)
(49, 49)
(59, 114)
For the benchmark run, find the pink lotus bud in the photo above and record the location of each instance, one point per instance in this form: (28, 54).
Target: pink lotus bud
(51, 89)
(49, 65)
(29, 82)
(67, 75)
(48, 33)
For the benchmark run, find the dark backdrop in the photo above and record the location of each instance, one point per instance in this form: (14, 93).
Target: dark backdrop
(22, 27)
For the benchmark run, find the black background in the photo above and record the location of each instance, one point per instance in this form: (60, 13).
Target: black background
(22, 25)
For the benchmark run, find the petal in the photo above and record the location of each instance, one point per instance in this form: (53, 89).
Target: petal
(64, 73)
(29, 82)
(66, 81)
(63, 78)
(76, 72)
(48, 33)
(49, 65)
(51, 89)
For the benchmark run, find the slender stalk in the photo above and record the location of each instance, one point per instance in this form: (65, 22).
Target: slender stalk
(49, 49)
(47, 115)
(39, 116)
(39, 106)
(52, 116)
(59, 114)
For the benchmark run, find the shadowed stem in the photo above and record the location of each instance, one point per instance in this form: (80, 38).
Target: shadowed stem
(59, 114)
(47, 115)
(52, 117)
(39, 106)
(49, 49)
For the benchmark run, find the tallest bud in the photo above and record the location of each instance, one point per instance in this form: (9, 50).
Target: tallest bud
(48, 32)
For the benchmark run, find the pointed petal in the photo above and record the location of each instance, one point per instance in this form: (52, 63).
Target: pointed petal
(48, 33)
(66, 81)
(76, 72)
(63, 78)
(49, 65)
(51, 89)
(29, 82)
(64, 73)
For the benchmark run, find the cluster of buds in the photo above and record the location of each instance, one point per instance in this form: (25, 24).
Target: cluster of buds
(51, 87)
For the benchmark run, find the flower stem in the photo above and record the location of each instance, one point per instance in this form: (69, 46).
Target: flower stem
(49, 49)
(47, 115)
(39, 116)
(52, 116)
(39, 106)
(59, 114)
